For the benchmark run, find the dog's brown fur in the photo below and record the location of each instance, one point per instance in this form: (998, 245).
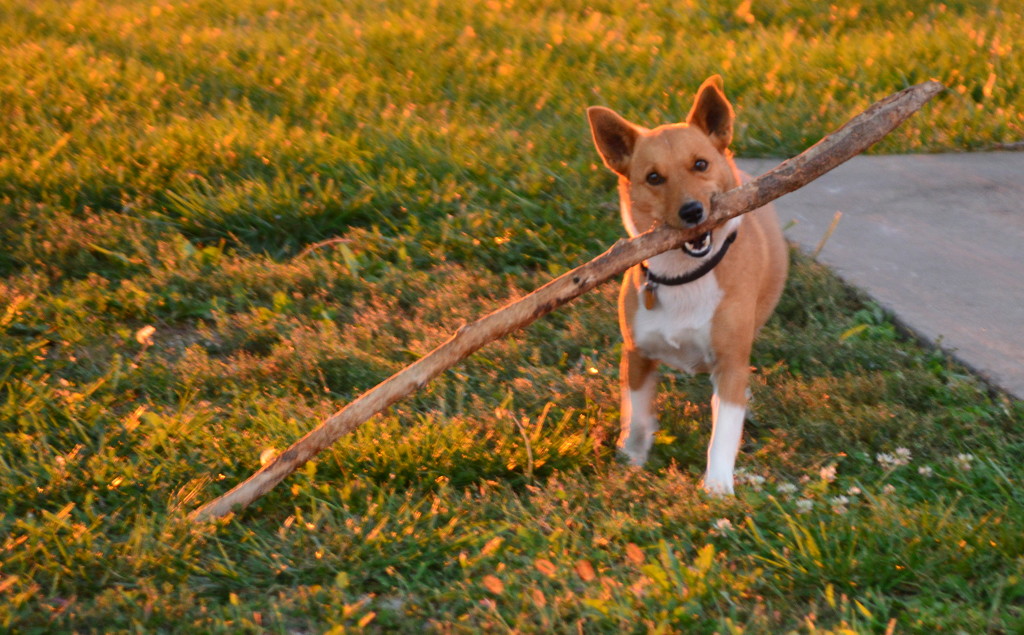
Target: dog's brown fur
(738, 295)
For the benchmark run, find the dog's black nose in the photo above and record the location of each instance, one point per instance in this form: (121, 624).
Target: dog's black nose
(692, 213)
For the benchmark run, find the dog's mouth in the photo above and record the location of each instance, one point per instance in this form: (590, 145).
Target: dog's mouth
(700, 247)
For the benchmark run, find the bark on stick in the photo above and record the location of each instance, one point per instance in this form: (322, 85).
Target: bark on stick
(851, 139)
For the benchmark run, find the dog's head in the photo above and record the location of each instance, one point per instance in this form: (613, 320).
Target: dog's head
(667, 175)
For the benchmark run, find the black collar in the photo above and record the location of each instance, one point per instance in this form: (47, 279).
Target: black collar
(697, 273)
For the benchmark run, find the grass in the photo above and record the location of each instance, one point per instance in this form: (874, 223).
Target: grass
(172, 165)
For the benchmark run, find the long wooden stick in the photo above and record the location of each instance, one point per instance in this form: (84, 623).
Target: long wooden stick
(851, 139)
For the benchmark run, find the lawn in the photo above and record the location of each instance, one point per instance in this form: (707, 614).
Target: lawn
(221, 221)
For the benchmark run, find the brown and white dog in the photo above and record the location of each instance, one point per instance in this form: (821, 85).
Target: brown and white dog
(697, 308)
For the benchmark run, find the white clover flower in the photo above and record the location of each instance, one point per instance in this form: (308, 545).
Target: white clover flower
(756, 481)
(963, 461)
(839, 504)
(722, 526)
(889, 461)
(853, 491)
(144, 335)
(786, 488)
(889, 489)
(828, 474)
(925, 470)
(804, 506)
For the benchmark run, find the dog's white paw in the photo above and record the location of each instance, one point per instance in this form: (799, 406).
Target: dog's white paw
(636, 448)
(637, 439)
(635, 451)
(718, 485)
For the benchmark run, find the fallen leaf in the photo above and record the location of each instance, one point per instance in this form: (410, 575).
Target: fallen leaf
(585, 570)
(493, 584)
(545, 566)
(538, 598)
(634, 553)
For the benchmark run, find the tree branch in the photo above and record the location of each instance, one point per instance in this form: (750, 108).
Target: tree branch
(851, 139)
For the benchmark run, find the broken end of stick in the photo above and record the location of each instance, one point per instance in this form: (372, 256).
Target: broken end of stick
(932, 87)
(204, 514)
(929, 88)
(223, 506)
(855, 136)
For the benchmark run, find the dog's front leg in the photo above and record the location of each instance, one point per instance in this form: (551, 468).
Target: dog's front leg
(728, 410)
(639, 380)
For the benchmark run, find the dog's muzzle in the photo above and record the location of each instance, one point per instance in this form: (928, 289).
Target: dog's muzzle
(700, 247)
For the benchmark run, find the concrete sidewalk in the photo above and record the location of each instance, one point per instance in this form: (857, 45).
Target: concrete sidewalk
(937, 240)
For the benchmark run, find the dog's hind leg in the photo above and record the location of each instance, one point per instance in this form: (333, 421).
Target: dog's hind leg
(639, 379)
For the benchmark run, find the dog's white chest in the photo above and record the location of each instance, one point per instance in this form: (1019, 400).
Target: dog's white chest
(677, 331)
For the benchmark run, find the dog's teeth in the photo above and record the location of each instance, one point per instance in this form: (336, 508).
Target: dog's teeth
(699, 248)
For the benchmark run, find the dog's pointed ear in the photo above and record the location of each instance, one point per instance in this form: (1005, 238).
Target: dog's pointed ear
(712, 112)
(614, 137)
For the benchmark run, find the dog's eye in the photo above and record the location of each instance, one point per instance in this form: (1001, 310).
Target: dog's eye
(700, 165)
(655, 179)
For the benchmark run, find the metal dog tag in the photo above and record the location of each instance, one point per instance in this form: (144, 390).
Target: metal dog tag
(650, 298)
